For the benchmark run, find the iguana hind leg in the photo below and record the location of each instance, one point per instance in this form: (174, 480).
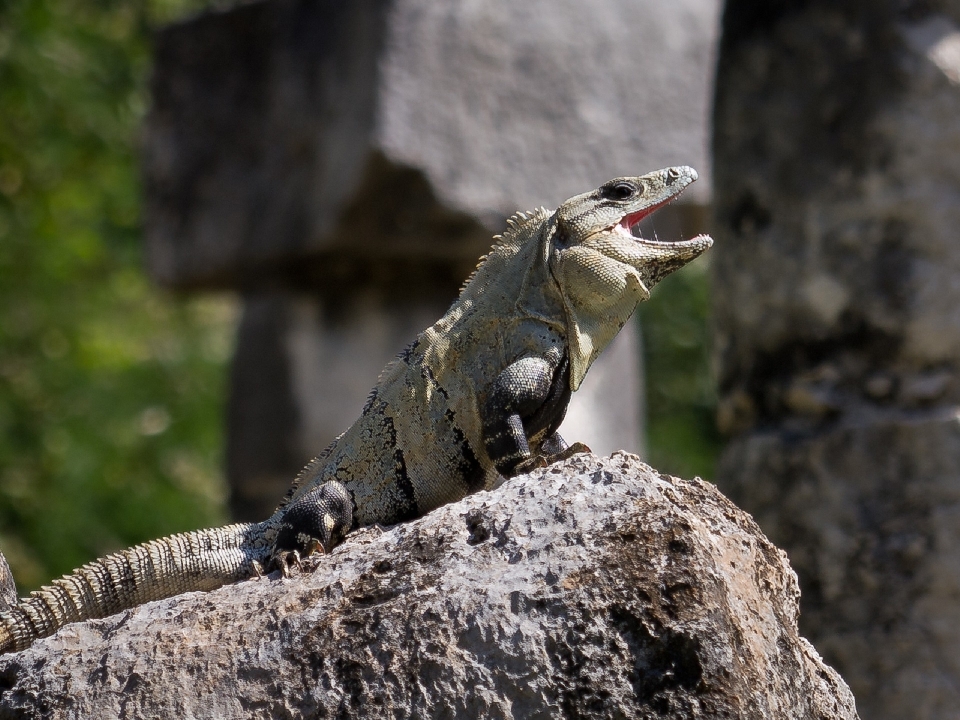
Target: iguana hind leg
(316, 522)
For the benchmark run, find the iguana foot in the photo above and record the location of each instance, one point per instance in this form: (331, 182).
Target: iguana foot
(316, 522)
(542, 461)
(290, 562)
(552, 444)
(576, 449)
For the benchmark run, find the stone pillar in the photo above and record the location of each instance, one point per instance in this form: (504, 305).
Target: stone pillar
(836, 294)
(343, 165)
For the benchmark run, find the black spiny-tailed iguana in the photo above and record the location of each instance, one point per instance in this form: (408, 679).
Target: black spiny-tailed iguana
(477, 396)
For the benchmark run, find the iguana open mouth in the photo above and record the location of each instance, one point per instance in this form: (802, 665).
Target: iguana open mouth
(629, 223)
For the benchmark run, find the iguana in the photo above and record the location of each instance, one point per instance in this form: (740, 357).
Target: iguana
(476, 397)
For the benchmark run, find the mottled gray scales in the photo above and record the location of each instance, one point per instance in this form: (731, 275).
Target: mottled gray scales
(200, 560)
(468, 465)
(477, 395)
(319, 519)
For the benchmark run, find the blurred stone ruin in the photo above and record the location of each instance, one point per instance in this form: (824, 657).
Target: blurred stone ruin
(835, 297)
(343, 166)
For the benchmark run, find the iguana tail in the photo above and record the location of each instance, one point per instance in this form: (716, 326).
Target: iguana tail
(201, 560)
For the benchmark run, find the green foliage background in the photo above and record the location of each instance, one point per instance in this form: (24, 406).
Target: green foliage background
(682, 436)
(111, 391)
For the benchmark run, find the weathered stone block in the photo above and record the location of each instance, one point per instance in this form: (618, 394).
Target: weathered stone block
(850, 208)
(295, 129)
(837, 176)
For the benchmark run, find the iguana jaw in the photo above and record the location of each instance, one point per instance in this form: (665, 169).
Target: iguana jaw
(652, 259)
(601, 222)
(611, 216)
(684, 250)
(602, 269)
(630, 221)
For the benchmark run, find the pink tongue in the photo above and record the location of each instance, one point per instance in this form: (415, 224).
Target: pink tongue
(630, 220)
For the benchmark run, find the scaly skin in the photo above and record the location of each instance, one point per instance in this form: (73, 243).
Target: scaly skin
(202, 560)
(477, 396)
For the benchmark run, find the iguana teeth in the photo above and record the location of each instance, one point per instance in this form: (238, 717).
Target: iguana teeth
(477, 396)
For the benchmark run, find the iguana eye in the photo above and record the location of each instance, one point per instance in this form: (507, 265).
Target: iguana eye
(620, 191)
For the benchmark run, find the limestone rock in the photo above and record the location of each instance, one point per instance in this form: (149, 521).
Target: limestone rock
(592, 588)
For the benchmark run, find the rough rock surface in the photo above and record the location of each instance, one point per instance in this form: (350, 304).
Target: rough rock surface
(595, 588)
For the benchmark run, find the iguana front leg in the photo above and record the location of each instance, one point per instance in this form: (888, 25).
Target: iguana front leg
(526, 403)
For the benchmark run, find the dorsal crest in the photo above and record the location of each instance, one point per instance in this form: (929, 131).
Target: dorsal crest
(521, 227)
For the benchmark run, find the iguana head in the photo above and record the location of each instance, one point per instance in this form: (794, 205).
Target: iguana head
(603, 270)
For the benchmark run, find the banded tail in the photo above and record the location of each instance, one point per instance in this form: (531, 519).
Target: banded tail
(201, 560)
